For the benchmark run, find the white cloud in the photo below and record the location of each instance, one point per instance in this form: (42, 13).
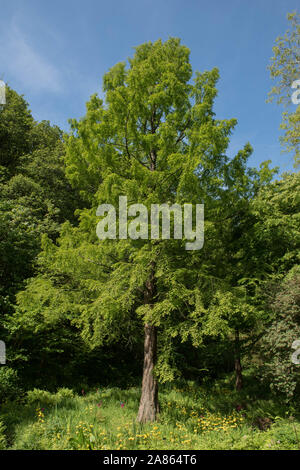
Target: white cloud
(22, 63)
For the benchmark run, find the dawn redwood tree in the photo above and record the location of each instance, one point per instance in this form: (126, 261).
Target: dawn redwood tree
(155, 140)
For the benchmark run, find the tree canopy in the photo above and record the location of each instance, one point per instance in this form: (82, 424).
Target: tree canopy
(284, 70)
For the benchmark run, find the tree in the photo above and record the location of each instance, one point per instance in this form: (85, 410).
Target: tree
(16, 123)
(229, 315)
(155, 140)
(284, 69)
(35, 198)
(233, 311)
(273, 235)
(275, 347)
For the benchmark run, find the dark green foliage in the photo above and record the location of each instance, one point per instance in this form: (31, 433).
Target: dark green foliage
(35, 198)
(16, 124)
(277, 369)
(10, 386)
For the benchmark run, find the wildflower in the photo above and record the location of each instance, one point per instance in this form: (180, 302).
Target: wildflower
(122, 404)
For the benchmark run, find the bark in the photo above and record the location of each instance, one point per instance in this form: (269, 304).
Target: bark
(237, 362)
(148, 407)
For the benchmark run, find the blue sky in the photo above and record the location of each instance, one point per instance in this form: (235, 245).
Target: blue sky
(55, 53)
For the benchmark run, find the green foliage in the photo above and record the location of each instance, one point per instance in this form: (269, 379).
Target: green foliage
(229, 311)
(9, 384)
(277, 367)
(16, 124)
(192, 417)
(43, 397)
(2, 436)
(81, 303)
(284, 70)
(269, 241)
(155, 139)
(35, 198)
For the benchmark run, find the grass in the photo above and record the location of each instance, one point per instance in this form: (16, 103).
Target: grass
(192, 417)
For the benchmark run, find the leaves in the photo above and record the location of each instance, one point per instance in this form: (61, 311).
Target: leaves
(284, 69)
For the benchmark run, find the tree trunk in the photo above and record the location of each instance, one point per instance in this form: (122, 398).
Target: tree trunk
(149, 408)
(237, 362)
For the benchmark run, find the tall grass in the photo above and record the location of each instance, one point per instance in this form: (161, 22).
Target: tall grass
(191, 417)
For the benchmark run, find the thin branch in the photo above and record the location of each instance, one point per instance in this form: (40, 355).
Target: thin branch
(182, 133)
(130, 154)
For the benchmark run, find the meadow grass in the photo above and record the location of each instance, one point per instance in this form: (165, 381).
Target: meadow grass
(192, 417)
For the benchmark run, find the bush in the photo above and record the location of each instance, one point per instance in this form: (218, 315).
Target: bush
(64, 394)
(278, 370)
(9, 384)
(47, 398)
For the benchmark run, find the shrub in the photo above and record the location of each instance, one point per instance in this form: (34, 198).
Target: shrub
(47, 398)
(278, 370)
(64, 394)
(9, 384)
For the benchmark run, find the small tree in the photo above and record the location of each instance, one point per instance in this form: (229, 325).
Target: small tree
(229, 315)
